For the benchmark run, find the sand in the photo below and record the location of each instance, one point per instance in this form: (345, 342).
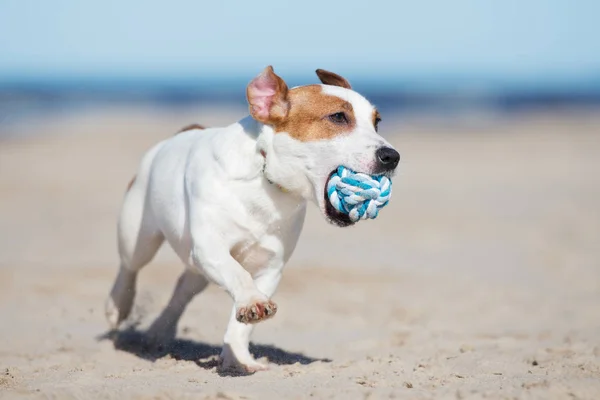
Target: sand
(481, 279)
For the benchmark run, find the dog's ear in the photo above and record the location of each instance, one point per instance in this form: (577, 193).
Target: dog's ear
(268, 97)
(329, 78)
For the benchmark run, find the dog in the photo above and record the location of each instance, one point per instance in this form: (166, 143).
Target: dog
(231, 201)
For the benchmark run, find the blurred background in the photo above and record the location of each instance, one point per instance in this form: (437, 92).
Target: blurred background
(485, 263)
(408, 57)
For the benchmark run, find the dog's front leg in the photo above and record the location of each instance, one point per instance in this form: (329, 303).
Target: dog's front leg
(211, 255)
(235, 354)
(251, 302)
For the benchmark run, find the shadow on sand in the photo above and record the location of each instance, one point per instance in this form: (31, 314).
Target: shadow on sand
(204, 355)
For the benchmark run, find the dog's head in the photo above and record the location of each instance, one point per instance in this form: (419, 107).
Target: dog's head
(315, 129)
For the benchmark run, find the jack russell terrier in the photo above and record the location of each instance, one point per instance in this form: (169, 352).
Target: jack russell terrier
(231, 201)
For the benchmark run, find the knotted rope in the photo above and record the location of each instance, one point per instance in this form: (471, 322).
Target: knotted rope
(359, 195)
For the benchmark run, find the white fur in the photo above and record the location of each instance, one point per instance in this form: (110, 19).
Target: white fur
(205, 192)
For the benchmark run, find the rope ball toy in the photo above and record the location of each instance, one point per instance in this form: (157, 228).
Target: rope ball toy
(359, 195)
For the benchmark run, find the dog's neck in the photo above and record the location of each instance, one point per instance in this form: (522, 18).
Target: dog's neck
(279, 167)
(273, 170)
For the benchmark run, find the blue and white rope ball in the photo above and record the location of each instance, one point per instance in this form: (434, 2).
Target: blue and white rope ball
(359, 195)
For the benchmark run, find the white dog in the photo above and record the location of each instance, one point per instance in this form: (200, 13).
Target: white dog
(231, 201)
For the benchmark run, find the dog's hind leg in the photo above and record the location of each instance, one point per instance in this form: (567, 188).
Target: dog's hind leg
(139, 240)
(164, 328)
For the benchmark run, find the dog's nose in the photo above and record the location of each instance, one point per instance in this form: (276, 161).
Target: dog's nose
(387, 158)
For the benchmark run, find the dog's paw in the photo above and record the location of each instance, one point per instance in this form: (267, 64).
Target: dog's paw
(116, 313)
(112, 313)
(256, 312)
(120, 301)
(233, 367)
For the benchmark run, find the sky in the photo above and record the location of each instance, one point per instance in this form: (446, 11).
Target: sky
(509, 39)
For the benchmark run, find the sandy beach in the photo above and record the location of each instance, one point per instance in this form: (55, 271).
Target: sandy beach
(481, 279)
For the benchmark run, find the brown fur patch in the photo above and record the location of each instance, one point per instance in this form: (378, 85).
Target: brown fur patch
(190, 127)
(308, 117)
(130, 184)
(376, 118)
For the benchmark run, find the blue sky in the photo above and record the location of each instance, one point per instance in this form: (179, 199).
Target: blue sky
(515, 40)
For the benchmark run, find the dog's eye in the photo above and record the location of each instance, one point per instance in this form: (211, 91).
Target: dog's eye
(377, 121)
(339, 118)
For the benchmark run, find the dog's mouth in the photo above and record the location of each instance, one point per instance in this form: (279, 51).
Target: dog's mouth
(334, 216)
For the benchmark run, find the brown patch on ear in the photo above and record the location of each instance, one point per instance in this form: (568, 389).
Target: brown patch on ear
(310, 109)
(329, 78)
(190, 127)
(130, 184)
(267, 97)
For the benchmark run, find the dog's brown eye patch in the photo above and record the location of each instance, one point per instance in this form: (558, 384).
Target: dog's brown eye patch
(314, 115)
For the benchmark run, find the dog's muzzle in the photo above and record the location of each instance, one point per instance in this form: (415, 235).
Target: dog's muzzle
(386, 160)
